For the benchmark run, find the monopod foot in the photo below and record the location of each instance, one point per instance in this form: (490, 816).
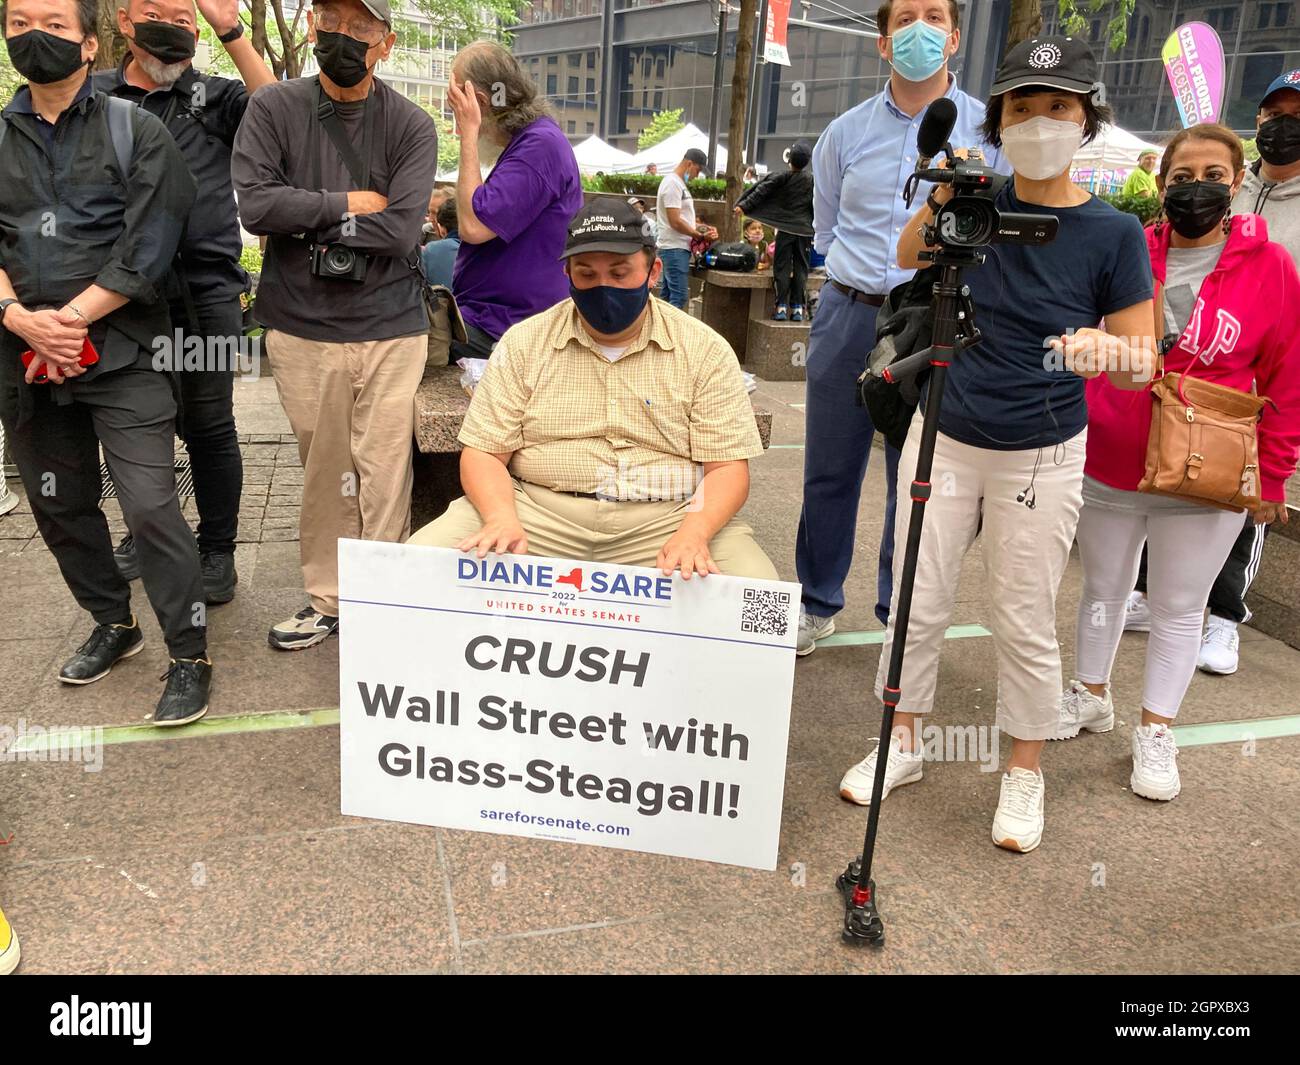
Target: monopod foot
(862, 923)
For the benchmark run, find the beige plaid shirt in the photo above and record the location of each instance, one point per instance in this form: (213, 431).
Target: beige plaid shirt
(633, 429)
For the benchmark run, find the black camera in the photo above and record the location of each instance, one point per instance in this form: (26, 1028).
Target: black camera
(971, 219)
(338, 262)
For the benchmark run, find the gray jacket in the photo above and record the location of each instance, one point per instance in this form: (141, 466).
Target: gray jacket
(1279, 205)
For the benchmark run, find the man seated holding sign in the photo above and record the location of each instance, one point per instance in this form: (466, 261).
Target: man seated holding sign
(611, 427)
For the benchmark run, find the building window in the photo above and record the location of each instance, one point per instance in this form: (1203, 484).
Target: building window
(573, 88)
(591, 86)
(573, 127)
(550, 85)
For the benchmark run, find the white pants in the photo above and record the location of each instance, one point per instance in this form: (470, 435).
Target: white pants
(1187, 545)
(1025, 551)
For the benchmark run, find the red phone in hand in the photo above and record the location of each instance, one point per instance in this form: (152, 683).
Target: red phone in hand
(89, 356)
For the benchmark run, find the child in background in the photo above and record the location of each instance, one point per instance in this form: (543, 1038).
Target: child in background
(757, 236)
(784, 201)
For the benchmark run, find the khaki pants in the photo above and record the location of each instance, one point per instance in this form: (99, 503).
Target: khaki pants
(352, 408)
(597, 530)
(1025, 552)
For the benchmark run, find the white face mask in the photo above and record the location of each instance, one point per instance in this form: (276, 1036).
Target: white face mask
(1041, 147)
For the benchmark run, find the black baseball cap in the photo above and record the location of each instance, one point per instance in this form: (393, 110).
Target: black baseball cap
(694, 155)
(609, 224)
(1065, 63)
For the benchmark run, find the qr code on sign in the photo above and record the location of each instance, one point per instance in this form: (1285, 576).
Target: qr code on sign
(766, 613)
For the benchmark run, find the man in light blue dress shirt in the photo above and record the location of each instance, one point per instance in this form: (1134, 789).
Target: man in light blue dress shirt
(860, 164)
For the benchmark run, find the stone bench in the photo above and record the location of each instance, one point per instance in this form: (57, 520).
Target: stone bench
(1274, 598)
(440, 408)
(733, 299)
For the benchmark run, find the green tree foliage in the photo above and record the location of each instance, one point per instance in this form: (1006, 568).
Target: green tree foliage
(1074, 18)
(661, 127)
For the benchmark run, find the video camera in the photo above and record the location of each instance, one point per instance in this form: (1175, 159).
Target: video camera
(971, 218)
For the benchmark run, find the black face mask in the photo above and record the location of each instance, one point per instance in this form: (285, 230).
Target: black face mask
(342, 58)
(166, 42)
(43, 58)
(1195, 207)
(1278, 140)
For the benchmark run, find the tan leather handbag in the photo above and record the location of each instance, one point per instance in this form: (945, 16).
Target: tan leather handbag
(1203, 444)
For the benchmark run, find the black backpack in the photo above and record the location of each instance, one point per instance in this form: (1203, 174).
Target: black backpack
(905, 325)
(737, 256)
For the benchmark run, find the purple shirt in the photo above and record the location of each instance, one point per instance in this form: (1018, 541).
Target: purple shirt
(527, 201)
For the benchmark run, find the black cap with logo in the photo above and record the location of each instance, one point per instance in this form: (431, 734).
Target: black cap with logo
(1054, 62)
(609, 224)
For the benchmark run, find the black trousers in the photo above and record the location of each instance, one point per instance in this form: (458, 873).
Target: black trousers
(207, 425)
(790, 269)
(1228, 596)
(132, 414)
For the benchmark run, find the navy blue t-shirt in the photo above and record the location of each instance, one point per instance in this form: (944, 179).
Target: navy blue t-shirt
(1000, 394)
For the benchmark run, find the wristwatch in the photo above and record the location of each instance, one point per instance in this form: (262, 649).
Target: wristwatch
(4, 306)
(232, 35)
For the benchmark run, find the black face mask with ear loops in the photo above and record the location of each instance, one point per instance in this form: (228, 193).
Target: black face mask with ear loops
(43, 58)
(1195, 207)
(1279, 140)
(342, 58)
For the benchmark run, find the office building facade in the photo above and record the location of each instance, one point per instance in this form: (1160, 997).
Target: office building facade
(609, 65)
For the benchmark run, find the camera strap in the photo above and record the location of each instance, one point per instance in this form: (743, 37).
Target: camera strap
(326, 116)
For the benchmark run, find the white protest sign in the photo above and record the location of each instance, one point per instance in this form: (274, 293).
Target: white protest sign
(560, 699)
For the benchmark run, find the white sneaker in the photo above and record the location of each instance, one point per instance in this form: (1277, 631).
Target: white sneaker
(900, 769)
(1155, 764)
(1219, 647)
(811, 629)
(1018, 824)
(1080, 709)
(1137, 613)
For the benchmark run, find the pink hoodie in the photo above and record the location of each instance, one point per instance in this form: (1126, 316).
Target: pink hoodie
(1244, 329)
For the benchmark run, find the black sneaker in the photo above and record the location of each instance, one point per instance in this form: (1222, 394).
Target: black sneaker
(185, 698)
(219, 576)
(128, 564)
(107, 646)
(306, 628)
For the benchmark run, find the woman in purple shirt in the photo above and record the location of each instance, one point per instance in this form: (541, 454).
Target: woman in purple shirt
(513, 225)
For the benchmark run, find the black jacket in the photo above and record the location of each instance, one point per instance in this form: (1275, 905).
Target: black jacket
(70, 218)
(783, 200)
(201, 113)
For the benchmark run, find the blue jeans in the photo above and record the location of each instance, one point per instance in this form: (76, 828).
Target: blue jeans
(676, 276)
(837, 446)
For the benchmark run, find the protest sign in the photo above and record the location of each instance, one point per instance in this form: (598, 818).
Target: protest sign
(560, 699)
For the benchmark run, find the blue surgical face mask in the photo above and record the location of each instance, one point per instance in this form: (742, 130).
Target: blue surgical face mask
(919, 50)
(609, 309)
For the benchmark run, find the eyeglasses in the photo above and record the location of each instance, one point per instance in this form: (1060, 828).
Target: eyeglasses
(368, 30)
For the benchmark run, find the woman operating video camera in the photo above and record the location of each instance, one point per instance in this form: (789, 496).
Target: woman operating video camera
(1008, 464)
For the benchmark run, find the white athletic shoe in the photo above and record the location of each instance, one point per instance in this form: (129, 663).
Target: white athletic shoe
(900, 769)
(811, 629)
(1080, 709)
(1155, 763)
(1219, 647)
(1018, 824)
(1137, 613)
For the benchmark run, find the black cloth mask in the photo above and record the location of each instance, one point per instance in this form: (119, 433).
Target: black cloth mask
(43, 58)
(1195, 207)
(166, 42)
(342, 58)
(1278, 140)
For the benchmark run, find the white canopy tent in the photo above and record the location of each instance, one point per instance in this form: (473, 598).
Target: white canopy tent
(668, 152)
(594, 154)
(1113, 149)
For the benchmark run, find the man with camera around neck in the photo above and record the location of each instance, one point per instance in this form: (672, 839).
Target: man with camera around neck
(341, 292)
